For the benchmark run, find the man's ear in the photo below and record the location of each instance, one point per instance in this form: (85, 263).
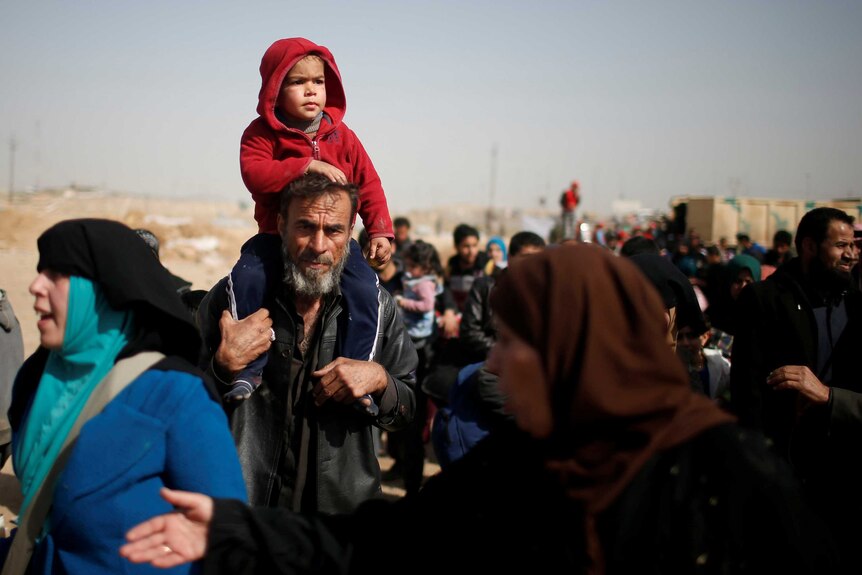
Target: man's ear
(280, 224)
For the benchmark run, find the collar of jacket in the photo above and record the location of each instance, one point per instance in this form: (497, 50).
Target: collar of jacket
(814, 295)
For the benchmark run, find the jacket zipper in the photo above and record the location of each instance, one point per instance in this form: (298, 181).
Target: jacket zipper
(315, 150)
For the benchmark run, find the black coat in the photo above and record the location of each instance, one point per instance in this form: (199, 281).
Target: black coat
(777, 328)
(720, 503)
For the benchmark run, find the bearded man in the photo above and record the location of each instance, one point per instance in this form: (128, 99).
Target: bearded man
(795, 369)
(302, 442)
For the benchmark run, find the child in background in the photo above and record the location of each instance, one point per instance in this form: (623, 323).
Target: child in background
(299, 131)
(421, 285)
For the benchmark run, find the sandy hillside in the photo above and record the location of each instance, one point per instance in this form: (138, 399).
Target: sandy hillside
(200, 240)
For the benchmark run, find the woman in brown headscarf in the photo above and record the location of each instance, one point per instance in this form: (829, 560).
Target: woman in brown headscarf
(615, 466)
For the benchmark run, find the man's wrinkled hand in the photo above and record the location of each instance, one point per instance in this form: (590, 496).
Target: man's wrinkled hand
(801, 379)
(243, 341)
(347, 380)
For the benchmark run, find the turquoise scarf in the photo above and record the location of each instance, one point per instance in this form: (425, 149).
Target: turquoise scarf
(94, 336)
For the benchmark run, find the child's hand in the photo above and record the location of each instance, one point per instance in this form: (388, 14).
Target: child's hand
(328, 170)
(379, 251)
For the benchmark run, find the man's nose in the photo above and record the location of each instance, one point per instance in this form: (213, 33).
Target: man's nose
(318, 242)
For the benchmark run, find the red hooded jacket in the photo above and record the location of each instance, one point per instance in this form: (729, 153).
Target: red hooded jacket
(272, 155)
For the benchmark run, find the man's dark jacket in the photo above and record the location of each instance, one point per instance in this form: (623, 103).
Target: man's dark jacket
(776, 328)
(346, 471)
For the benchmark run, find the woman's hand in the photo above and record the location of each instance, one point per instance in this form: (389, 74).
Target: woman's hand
(174, 538)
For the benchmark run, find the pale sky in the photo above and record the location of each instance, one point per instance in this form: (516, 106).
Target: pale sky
(640, 100)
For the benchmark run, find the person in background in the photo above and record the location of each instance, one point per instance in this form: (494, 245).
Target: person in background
(11, 357)
(192, 298)
(680, 300)
(741, 272)
(781, 251)
(467, 264)
(746, 246)
(183, 286)
(421, 286)
(727, 252)
(477, 325)
(612, 241)
(474, 404)
(569, 200)
(795, 372)
(498, 259)
(639, 245)
(614, 464)
(708, 369)
(103, 301)
(402, 238)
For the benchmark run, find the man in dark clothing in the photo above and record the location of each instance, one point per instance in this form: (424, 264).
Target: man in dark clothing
(467, 264)
(302, 443)
(795, 371)
(477, 327)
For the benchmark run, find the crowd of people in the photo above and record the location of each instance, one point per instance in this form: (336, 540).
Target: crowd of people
(627, 404)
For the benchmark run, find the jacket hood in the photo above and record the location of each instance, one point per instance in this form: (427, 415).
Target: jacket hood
(277, 62)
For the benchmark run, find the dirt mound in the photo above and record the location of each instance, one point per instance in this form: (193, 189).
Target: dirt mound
(200, 240)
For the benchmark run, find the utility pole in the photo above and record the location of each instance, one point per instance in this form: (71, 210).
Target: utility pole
(492, 191)
(13, 145)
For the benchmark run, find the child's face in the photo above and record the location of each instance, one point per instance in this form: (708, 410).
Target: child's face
(495, 253)
(303, 92)
(468, 250)
(415, 270)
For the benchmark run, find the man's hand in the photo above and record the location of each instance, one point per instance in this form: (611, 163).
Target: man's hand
(800, 378)
(328, 170)
(242, 341)
(379, 252)
(347, 380)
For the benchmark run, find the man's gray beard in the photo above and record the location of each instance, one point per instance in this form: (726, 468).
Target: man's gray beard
(313, 283)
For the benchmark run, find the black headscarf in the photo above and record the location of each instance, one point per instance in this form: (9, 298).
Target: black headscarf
(113, 256)
(674, 288)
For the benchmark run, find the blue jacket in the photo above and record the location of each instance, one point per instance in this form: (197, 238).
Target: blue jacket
(164, 429)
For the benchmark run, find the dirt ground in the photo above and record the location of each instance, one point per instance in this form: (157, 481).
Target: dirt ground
(200, 241)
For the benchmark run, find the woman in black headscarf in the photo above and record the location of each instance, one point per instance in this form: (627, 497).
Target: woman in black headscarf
(616, 465)
(147, 420)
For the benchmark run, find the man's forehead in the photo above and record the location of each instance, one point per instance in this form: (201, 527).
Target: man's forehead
(839, 230)
(332, 204)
